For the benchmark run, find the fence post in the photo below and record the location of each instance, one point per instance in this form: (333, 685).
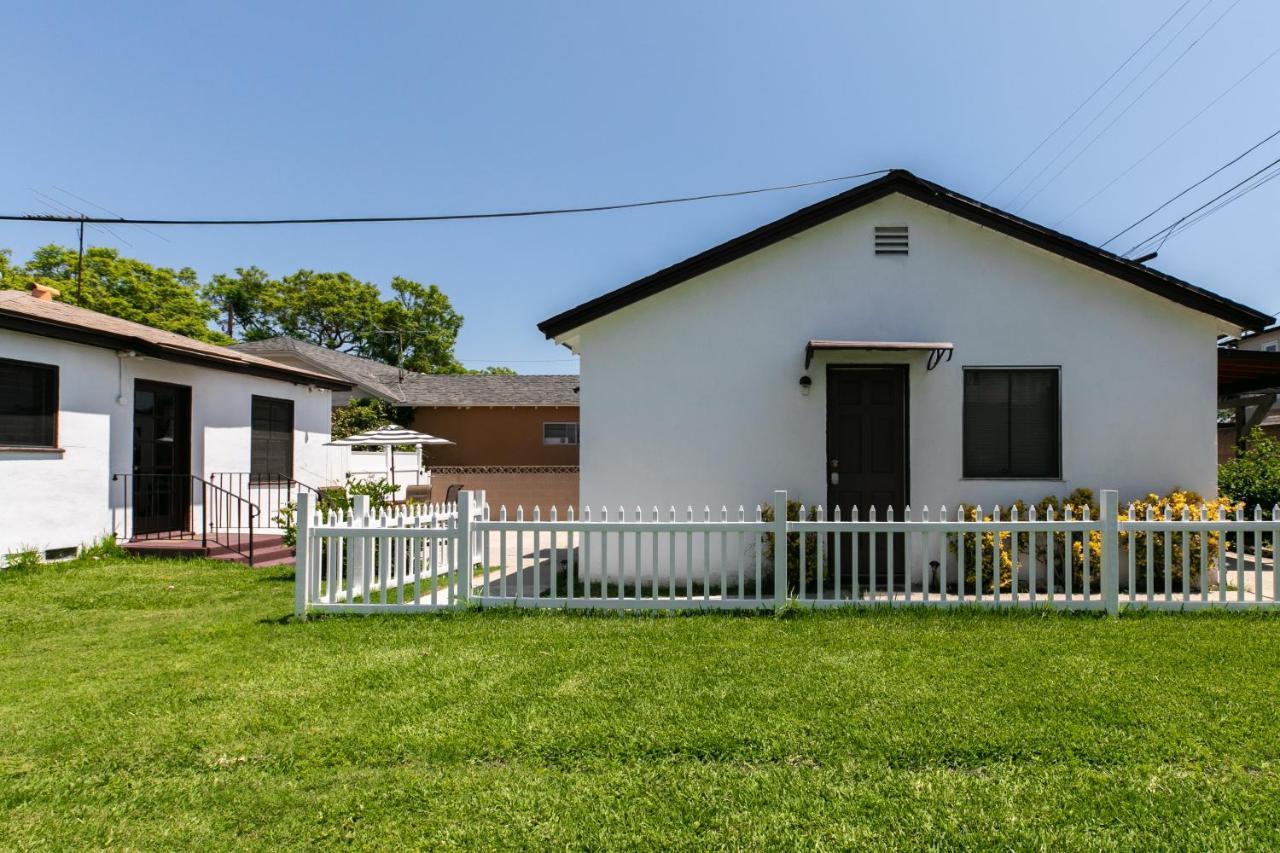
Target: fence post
(463, 567)
(355, 548)
(302, 567)
(779, 547)
(1110, 550)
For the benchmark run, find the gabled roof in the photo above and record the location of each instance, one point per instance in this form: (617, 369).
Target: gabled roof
(22, 312)
(904, 182)
(374, 377)
(409, 388)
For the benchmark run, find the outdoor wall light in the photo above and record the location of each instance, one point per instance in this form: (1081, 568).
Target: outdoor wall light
(805, 384)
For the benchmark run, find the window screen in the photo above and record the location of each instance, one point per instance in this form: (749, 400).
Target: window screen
(28, 404)
(1012, 426)
(271, 444)
(560, 433)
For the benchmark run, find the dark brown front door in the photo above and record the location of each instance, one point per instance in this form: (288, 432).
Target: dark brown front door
(161, 457)
(867, 452)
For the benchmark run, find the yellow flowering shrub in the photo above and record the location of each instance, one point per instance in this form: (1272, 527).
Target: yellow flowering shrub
(990, 553)
(1089, 552)
(1178, 544)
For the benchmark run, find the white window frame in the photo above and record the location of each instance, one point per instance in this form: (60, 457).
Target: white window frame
(572, 438)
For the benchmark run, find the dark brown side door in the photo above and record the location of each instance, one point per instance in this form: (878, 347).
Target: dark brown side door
(161, 458)
(867, 453)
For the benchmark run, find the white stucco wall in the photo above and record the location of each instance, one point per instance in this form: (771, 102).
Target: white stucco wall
(692, 396)
(62, 501)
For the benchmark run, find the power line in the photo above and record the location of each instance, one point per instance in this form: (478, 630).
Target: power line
(107, 210)
(1125, 110)
(1081, 105)
(338, 220)
(1167, 139)
(1207, 177)
(1275, 173)
(1098, 115)
(1225, 192)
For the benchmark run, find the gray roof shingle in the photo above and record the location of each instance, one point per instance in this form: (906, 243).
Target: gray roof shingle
(409, 388)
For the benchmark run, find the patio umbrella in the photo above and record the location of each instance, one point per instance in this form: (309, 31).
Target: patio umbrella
(388, 437)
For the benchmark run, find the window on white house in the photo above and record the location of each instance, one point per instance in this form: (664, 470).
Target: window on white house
(271, 440)
(28, 404)
(1012, 423)
(559, 433)
(1271, 347)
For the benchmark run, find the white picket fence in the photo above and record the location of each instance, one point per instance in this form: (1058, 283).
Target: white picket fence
(442, 556)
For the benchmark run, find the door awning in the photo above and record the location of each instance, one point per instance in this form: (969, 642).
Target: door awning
(936, 349)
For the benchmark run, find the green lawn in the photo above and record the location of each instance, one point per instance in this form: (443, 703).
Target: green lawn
(176, 704)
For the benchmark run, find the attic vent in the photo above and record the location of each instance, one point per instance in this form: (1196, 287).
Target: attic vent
(891, 239)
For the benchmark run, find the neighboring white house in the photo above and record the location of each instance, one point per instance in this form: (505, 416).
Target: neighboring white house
(85, 398)
(897, 344)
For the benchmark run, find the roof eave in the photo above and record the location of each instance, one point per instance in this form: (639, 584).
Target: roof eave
(901, 181)
(110, 340)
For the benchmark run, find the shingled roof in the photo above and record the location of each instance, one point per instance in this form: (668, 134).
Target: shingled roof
(377, 379)
(409, 388)
(425, 389)
(22, 312)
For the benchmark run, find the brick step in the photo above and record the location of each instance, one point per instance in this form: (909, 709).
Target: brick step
(268, 550)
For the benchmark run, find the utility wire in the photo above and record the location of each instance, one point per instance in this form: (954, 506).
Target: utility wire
(1207, 177)
(1098, 115)
(1275, 173)
(1167, 139)
(1225, 192)
(1082, 104)
(1125, 110)
(108, 210)
(336, 220)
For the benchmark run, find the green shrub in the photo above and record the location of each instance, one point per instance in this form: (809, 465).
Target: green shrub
(380, 493)
(793, 551)
(1253, 477)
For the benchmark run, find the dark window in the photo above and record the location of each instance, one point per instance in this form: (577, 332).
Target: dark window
(1011, 423)
(28, 404)
(271, 445)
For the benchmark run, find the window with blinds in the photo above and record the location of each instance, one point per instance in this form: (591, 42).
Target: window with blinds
(1012, 423)
(28, 404)
(271, 441)
(560, 433)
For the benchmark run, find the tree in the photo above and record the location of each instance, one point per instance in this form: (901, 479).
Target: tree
(333, 310)
(238, 298)
(122, 287)
(416, 330)
(359, 416)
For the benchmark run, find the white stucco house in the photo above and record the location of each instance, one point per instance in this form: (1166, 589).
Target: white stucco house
(112, 426)
(895, 344)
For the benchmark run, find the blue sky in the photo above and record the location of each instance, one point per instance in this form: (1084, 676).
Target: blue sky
(274, 109)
